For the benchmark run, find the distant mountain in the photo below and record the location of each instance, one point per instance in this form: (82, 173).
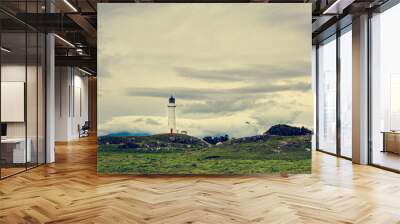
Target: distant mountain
(286, 130)
(125, 133)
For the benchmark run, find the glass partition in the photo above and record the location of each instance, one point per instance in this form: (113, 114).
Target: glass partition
(346, 92)
(22, 88)
(13, 114)
(385, 89)
(327, 95)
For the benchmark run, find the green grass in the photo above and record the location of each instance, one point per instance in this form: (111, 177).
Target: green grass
(178, 163)
(232, 159)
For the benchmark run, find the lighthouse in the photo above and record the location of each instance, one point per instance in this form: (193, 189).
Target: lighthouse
(171, 115)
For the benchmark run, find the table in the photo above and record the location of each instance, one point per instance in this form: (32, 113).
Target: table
(391, 141)
(19, 155)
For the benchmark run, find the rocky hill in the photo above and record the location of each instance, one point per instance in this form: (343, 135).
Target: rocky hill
(159, 142)
(286, 130)
(182, 142)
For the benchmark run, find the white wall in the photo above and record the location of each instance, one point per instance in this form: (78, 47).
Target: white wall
(62, 82)
(33, 126)
(13, 72)
(71, 102)
(84, 85)
(16, 73)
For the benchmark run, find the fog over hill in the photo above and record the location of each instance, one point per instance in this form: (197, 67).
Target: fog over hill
(234, 126)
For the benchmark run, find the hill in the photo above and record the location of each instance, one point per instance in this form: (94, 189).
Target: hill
(286, 130)
(267, 144)
(272, 154)
(153, 143)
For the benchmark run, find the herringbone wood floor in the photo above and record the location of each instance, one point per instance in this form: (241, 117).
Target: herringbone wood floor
(70, 191)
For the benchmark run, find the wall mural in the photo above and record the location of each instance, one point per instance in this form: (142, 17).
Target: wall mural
(204, 89)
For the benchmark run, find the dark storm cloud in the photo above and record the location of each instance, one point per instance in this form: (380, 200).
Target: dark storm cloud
(255, 73)
(181, 93)
(204, 94)
(225, 106)
(272, 88)
(150, 121)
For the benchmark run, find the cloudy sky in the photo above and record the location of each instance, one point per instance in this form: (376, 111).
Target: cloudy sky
(234, 69)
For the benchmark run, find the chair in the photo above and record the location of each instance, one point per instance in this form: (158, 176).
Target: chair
(84, 130)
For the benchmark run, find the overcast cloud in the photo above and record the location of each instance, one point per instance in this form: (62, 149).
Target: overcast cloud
(234, 69)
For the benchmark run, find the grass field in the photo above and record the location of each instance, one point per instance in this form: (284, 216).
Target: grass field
(228, 158)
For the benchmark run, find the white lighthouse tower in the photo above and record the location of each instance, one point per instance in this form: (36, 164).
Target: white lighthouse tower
(171, 115)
